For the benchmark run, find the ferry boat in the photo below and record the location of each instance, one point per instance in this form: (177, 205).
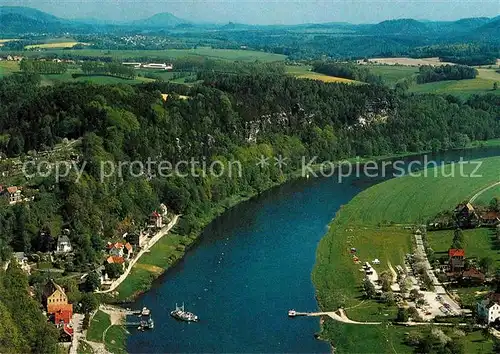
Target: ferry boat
(180, 314)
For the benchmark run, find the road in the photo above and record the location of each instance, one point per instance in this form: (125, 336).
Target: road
(339, 317)
(475, 196)
(145, 249)
(438, 287)
(77, 322)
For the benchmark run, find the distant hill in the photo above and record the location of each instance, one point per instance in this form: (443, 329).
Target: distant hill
(165, 19)
(489, 31)
(16, 19)
(407, 27)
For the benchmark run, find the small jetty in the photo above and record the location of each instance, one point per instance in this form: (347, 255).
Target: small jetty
(293, 313)
(144, 320)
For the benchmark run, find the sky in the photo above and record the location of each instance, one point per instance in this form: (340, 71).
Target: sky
(267, 11)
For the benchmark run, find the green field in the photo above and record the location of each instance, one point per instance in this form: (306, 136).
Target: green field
(98, 325)
(152, 265)
(483, 83)
(304, 72)
(8, 67)
(479, 243)
(373, 222)
(224, 54)
(391, 74)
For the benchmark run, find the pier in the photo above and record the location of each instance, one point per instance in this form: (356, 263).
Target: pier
(338, 315)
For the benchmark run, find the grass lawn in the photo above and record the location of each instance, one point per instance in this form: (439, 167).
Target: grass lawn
(479, 243)
(224, 54)
(476, 343)
(98, 325)
(303, 72)
(391, 74)
(152, 265)
(485, 198)
(371, 222)
(116, 340)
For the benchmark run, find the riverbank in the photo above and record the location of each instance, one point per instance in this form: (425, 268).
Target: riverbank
(171, 249)
(375, 222)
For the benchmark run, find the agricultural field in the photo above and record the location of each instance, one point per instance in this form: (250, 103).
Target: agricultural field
(304, 72)
(8, 67)
(391, 74)
(54, 45)
(223, 54)
(374, 223)
(485, 198)
(483, 83)
(407, 61)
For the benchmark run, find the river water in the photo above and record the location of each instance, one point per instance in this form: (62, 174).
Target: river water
(252, 265)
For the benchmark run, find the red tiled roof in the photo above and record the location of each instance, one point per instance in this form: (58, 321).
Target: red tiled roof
(68, 330)
(155, 214)
(12, 190)
(115, 259)
(63, 316)
(491, 215)
(54, 308)
(118, 245)
(456, 252)
(473, 273)
(128, 246)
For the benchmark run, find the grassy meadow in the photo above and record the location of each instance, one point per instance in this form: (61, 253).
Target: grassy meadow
(478, 243)
(374, 222)
(8, 67)
(304, 72)
(53, 45)
(391, 74)
(206, 52)
(166, 252)
(98, 325)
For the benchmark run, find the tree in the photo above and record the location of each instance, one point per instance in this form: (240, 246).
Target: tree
(402, 315)
(458, 239)
(89, 303)
(385, 279)
(114, 270)
(388, 298)
(495, 86)
(486, 264)
(494, 204)
(369, 288)
(92, 282)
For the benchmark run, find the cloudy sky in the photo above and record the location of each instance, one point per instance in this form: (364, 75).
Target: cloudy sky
(268, 11)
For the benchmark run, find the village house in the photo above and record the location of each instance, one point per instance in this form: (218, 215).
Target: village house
(137, 239)
(456, 259)
(116, 260)
(466, 216)
(55, 301)
(119, 249)
(473, 275)
(63, 244)
(489, 308)
(490, 218)
(156, 220)
(115, 249)
(13, 194)
(22, 261)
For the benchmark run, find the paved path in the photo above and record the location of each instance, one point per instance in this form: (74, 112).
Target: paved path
(340, 317)
(77, 322)
(145, 249)
(475, 196)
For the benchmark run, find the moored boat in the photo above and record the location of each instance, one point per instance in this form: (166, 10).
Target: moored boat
(180, 314)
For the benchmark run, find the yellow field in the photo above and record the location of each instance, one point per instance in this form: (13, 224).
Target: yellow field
(150, 268)
(325, 78)
(489, 74)
(53, 45)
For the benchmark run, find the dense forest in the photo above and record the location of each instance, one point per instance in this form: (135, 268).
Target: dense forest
(429, 73)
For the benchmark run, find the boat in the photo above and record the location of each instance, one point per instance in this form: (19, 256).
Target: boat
(292, 313)
(181, 314)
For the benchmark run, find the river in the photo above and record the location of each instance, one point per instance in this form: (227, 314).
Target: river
(252, 265)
